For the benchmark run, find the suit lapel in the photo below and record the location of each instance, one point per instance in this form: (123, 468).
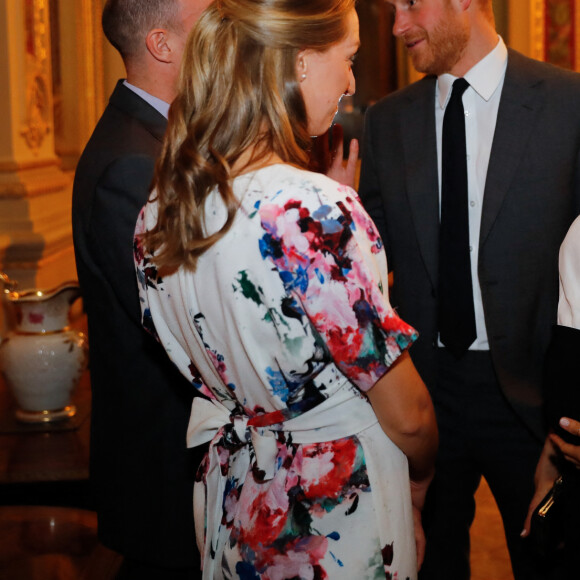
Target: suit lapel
(521, 99)
(419, 145)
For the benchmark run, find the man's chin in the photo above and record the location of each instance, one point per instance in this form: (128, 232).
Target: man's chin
(427, 67)
(421, 66)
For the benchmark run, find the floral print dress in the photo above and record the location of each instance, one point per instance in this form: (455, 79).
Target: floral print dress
(283, 326)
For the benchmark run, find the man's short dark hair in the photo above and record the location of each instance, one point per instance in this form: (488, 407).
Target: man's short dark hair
(127, 22)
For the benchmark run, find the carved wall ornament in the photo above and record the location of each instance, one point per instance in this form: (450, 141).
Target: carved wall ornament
(37, 124)
(38, 117)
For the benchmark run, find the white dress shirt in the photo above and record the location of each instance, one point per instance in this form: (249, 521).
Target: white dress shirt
(481, 103)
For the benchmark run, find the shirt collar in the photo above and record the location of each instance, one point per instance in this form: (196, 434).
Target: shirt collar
(158, 104)
(484, 77)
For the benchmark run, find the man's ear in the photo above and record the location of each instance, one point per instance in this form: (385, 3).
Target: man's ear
(158, 45)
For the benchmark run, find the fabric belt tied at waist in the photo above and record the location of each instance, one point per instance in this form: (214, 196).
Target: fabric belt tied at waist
(345, 413)
(212, 421)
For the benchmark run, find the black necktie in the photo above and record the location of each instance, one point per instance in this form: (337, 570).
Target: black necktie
(455, 296)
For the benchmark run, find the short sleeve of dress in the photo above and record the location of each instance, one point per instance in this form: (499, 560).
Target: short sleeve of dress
(155, 319)
(331, 260)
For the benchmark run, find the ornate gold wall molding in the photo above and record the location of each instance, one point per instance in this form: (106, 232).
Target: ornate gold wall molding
(51, 65)
(32, 181)
(13, 165)
(38, 119)
(35, 194)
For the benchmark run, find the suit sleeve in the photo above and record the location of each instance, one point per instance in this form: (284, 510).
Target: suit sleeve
(562, 363)
(120, 194)
(562, 379)
(369, 186)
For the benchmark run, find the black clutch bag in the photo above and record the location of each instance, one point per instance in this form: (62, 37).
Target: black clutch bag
(554, 522)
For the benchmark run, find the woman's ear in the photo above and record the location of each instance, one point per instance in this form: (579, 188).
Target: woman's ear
(301, 66)
(158, 45)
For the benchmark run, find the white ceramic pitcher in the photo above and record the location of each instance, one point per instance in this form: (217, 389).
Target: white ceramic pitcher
(42, 359)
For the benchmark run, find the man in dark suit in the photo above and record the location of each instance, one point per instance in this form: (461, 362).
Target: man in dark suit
(141, 472)
(521, 193)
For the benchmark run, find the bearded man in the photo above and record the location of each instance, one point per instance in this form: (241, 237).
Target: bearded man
(472, 207)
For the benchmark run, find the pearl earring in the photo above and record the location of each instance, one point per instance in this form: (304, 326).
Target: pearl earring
(303, 77)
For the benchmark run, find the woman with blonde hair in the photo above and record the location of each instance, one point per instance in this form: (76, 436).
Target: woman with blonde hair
(267, 286)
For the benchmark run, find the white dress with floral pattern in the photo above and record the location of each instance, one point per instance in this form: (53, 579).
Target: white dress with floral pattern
(288, 321)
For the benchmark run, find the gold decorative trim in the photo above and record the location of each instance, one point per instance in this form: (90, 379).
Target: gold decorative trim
(538, 29)
(41, 332)
(46, 416)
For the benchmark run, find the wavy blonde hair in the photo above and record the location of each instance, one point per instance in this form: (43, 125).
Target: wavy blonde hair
(237, 92)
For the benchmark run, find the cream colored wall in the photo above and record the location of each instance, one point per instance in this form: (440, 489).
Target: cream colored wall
(113, 68)
(35, 240)
(37, 155)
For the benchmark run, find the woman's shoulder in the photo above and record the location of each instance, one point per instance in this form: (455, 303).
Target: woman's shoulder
(290, 196)
(283, 183)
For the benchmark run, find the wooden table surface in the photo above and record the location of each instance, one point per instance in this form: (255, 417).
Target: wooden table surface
(52, 452)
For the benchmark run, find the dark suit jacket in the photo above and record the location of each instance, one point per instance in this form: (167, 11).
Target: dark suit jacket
(532, 195)
(141, 471)
(562, 380)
